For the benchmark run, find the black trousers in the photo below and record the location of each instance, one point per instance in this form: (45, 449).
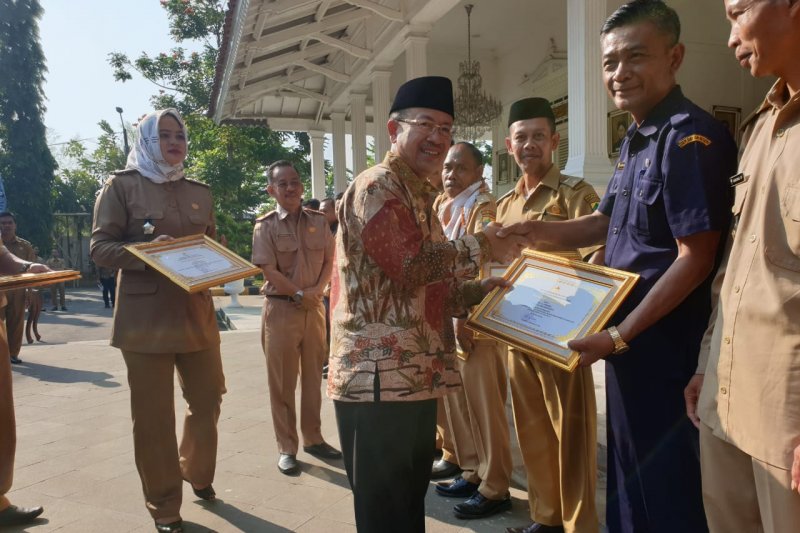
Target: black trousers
(109, 290)
(388, 451)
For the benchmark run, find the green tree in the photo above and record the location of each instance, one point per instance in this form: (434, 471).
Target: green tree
(26, 163)
(231, 159)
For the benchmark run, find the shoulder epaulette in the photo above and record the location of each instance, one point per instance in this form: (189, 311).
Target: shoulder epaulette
(23, 241)
(679, 118)
(206, 185)
(571, 181)
(123, 171)
(267, 215)
(506, 195)
(484, 198)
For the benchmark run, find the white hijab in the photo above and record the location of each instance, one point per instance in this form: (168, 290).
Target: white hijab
(146, 154)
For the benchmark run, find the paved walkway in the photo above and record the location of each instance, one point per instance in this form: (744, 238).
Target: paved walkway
(75, 452)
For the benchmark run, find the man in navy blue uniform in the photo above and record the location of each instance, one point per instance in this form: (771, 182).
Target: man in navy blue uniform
(664, 215)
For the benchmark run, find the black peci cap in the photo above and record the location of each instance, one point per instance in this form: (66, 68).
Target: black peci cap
(530, 108)
(432, 92)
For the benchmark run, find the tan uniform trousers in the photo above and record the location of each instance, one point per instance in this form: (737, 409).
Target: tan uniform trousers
(741, 493)
(294, 341)
(162, 465)
(477, 418)
(8, 427)
(555, 416)
(15, 320)
(444, 436)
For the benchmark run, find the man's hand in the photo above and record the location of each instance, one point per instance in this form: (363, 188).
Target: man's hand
(163, 238)
(311, 299)
(796, 470)
(464, 336)
(593, 347)
(38, 268)
(491, 283)
(691, 394)
(507, 249)
(527, 230)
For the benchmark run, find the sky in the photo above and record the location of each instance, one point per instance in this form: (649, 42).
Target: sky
(76, 37)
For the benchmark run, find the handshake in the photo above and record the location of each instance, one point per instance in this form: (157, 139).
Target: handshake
(507, 242)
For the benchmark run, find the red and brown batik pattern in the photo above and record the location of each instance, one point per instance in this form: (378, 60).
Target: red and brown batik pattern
(396, 285)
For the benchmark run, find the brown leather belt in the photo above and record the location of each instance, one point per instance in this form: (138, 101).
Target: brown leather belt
(280, 297)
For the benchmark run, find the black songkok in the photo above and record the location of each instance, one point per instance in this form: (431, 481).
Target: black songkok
(530, 108)
(431, 92)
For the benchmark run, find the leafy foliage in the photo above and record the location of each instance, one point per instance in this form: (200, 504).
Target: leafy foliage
(26, 163)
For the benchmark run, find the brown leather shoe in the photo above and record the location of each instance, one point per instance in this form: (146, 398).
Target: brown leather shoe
(15, 516)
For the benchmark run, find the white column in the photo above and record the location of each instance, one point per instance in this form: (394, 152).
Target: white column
(416, 46)
(588, 152)
(380, 110)
(358, 130)
(317, 163)
(339, 152)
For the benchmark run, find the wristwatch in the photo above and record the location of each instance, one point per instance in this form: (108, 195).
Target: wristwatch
(297, 297)
(620, 346)
(25, 267)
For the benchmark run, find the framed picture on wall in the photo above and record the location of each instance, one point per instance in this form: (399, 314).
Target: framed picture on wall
(618, 123)
(503, 167)
(730, 116)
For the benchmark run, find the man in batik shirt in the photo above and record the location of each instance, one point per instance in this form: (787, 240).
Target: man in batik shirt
(395, 288)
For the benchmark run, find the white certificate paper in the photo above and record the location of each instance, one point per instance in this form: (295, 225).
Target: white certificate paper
(194, 262)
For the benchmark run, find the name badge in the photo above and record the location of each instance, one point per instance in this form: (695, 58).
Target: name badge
(737, 179)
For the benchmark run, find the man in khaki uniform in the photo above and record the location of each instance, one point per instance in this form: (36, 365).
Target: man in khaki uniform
(476, 413)
(10, 515)
(554, 410)
(294, 248)
(15, 308)
(749, 408)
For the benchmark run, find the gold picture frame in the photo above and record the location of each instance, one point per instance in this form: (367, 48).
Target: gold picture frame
(194, 263)
(552, 301)
(618, 123)
(27, 280)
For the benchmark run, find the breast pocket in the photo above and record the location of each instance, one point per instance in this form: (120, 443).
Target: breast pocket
(647, 211)
(315, 247)
(782, 240)
(286, 251)
(197, 223)
(140, 217)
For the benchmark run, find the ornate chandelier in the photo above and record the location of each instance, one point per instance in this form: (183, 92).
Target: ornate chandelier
(475, 110)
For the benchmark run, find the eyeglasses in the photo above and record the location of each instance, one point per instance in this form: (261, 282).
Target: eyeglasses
(429, 128)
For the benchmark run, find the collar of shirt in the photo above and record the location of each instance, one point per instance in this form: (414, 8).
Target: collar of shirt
(283, 213)
(416, 185)
(550, 180)
(659, 115)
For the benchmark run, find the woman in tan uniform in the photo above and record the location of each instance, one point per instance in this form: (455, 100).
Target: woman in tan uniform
(157, 325)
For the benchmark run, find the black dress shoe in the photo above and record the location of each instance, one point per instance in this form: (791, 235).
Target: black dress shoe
(288, 464)
(442, 469)
(207, 493)
(172, 527)
(536, 527)
(323, 450)
(458, 488)
(15, 516)
(16, 360)
(479, 506)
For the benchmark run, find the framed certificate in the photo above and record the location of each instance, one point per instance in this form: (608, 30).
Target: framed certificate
(194, 263)
(552, 301)
(29, 279)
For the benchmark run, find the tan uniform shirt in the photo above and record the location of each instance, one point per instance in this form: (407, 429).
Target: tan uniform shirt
(3, 301)
(153, 314)
(57, 263)
(751, 394)
(297, 248)
(557, 197)
(21, 248)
